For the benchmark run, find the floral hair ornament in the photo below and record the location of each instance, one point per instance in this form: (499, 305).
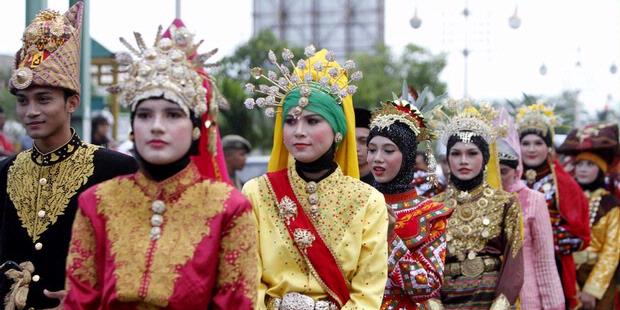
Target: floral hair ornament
(415, 112)
(308, 75)
(538, 117)
(169, 68)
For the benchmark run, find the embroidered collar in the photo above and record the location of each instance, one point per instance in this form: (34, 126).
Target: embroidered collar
(532, 175)
(170, 188)
(58, 154)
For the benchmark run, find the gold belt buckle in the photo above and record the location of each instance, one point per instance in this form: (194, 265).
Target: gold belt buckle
(472, 267)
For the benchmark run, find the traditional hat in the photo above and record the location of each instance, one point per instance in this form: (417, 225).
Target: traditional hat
(413, 111)
(539, 119)
(597, 143)
(317, 82)
(50, 54)
(464, 120)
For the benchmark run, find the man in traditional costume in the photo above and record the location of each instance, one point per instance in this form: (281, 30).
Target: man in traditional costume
(40, 186)
(322, 232)
(168, 236)
(567, 205)
(594, 148)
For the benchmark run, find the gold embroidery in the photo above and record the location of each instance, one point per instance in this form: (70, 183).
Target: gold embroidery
(63, 180)
(81, 258)
(514, 226)
(186, 222)
(238, 256)
(478, 218)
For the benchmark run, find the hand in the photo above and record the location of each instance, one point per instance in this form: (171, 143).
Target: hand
(60, 295)
(588, 301)
(392, 221)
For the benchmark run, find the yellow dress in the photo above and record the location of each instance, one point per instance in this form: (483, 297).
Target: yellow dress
(352, 221)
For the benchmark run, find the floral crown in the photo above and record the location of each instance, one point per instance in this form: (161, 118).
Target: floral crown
(170, 68)
(307, 75)
(538, 117)
(467, 121)
(415, 113)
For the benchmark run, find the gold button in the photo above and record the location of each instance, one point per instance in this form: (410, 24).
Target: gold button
(42, 181)
(41, 213)
(36, 278)
(38, 246)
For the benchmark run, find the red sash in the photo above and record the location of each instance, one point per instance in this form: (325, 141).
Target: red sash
(315, 252)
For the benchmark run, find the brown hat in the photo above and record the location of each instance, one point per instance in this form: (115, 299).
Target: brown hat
(601, 140)
(50, 55)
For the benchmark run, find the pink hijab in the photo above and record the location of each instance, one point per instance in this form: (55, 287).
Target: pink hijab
(511, 141)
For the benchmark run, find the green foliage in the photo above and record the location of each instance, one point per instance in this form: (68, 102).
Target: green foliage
(384, 74)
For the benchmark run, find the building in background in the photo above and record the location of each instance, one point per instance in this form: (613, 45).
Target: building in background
(342, 26)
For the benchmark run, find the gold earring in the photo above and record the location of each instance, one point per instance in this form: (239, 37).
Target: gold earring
(196, 133)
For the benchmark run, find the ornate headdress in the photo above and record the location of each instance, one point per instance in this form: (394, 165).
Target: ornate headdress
(318, 75)
(169, 68)
(415, 113)
(467, 121)
(322, 74)
(50, 55)
(537, 117)
(596, 142)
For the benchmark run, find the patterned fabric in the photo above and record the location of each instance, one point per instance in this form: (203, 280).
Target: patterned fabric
(417, 252)
(204, 257)
(603, 254)
(425, 188)
(352, 221)
(542, 288)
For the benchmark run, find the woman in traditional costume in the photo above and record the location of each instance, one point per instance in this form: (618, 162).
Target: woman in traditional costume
(594, 148)
(167, 236)
(568, 207)
(322, 232)
(484, 263)
(542, 288)
(417, 245)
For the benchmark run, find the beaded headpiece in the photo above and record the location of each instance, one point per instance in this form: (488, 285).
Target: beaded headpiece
(169, 68)
(536, 117)
(307, 75)
(467, 121)
(415, 113)
(50, 55)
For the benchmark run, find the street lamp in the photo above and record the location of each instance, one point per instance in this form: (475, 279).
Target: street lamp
(415, 21)
(514, 21)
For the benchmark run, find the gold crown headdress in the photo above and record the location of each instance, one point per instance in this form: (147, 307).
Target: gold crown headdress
(468, 121)
(415, 114)
(50, 55)
(537, 117)
(169, 68)
(308, 75)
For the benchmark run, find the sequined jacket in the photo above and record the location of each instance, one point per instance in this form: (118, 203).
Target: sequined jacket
(417, 251)
(352, 221)
(38, 202)
(604, 250)
(203, 258)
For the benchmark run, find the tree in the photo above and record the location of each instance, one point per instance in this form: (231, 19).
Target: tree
(383, 74)
(233, 74)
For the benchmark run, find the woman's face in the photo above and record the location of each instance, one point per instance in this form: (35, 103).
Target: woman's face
(308, 137)
(465, 160)
(586, 172)
(162, 131)
(534, 151)
(384, 158)
(508, 175)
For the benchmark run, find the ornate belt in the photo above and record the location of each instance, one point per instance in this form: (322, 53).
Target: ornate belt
(473, 267)
(297, 301)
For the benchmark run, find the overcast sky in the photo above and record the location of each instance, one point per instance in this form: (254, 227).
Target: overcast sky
(503, 62)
